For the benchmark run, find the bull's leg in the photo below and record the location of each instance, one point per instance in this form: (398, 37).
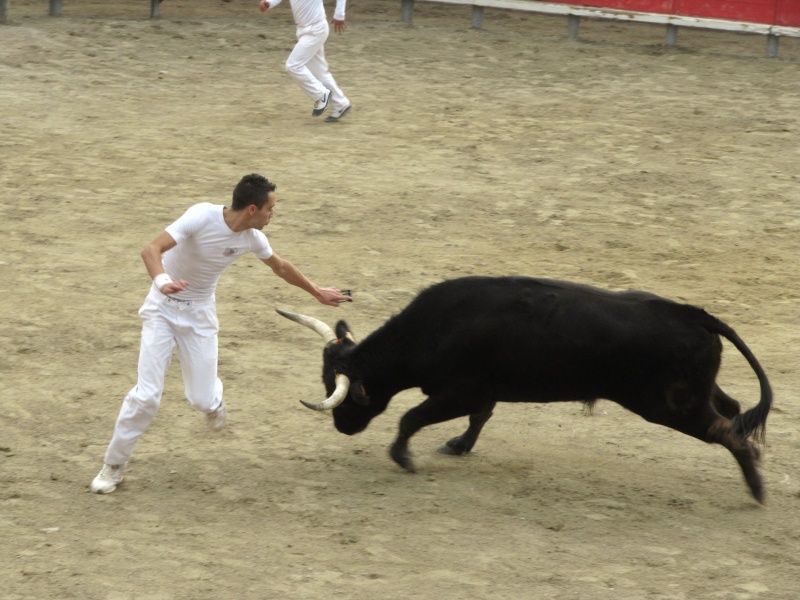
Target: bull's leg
(726, 406)
(464, 442)
(435, 409)
(705, 424)
(745, 453)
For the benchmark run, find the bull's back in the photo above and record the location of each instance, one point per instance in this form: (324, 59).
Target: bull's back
(558, 338)
(526, 302)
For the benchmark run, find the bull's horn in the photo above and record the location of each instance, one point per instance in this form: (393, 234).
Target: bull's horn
(336, 398)
(321, 328)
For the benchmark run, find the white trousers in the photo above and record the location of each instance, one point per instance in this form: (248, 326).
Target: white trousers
(167, 323)
(308, 67)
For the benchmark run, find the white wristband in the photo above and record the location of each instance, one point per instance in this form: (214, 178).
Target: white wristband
(161, 280)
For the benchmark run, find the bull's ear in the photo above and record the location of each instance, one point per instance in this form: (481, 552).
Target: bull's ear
(359, 394)
(343, 331)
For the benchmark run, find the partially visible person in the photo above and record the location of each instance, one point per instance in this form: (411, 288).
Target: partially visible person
(306, 64)
(185, 262)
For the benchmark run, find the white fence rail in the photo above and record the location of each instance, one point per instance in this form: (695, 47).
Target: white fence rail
(56, 7)
(575, 13)
(572, 12)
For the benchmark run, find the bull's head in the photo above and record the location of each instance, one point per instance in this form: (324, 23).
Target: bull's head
(341, 381)
(346, 397)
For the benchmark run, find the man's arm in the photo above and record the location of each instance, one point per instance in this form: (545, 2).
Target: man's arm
(290, 274)
(151, 255)
(267, 4)
(338, 17)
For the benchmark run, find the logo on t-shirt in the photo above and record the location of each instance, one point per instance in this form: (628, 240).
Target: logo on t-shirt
(231, 251)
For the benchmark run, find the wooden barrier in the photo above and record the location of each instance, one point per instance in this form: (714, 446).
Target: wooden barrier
(574, 13)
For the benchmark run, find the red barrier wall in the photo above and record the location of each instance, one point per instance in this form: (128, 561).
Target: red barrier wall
(771, 12)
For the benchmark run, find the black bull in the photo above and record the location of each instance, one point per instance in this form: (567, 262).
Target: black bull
(469, 343)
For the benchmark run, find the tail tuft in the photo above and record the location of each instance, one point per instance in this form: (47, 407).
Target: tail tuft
(752, 423)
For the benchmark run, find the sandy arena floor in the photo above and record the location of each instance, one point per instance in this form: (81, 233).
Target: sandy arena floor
(614, 161)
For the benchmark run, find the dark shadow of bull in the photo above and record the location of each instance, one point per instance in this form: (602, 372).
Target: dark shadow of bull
(469, 343)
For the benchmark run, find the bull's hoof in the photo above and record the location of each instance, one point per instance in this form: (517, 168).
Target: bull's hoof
(402, 458)
(453, 447)
(445, 449)
(756, 488)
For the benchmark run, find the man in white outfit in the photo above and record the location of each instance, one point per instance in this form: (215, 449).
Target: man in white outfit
(306, 64)
(185, 262)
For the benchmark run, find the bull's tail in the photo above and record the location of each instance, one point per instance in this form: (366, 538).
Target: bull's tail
(751, 423)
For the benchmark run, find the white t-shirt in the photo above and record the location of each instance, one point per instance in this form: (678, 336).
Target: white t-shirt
(308, 12)
(206, 246)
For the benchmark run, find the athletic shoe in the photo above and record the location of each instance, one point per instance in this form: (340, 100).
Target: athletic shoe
(321, 104)
(216, 420)
(109, 477)
(338, 114)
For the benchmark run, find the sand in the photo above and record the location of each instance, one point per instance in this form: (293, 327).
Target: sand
(613, 161)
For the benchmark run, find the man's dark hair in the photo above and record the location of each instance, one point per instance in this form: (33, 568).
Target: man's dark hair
(252, 189)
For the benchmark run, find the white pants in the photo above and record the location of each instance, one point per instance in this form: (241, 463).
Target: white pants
(168, 323)
(308, 67)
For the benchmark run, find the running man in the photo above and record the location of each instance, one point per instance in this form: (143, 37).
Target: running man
(306, 64)
(185, 262)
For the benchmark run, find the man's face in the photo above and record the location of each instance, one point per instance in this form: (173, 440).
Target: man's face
(263, 215)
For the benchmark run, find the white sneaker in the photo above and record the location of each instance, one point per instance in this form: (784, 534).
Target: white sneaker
(321, 104)
(109, 477)
(338, 114)
(216, 420)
